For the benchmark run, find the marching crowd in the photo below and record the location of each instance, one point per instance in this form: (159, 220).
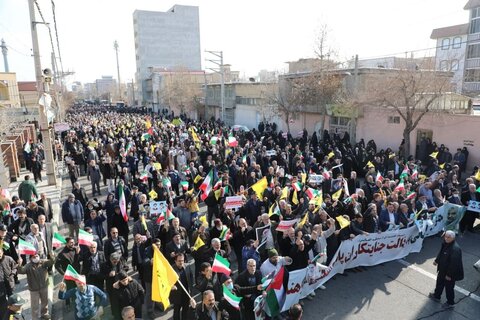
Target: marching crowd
(331, 191)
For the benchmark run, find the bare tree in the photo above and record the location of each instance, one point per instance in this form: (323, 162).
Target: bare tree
(411, 92)
(181, 90)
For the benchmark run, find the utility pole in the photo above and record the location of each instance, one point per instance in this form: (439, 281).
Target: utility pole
(221, 71)
(42, 88)
(115, 46)
(4, 52)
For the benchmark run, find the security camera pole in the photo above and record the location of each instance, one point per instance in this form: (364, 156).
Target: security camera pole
(42, 88)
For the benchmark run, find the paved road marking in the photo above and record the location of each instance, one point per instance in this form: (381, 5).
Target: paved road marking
(434, 277)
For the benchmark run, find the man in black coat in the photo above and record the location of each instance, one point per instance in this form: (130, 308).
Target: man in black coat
(178, 297)
(468, 219)
(91, 267)
(449, 269)
(248, 278)
(115, 243)
(46, 204)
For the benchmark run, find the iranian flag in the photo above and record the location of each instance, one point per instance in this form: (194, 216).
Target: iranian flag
(221, 265)
(122, 202)
(184, 185)
(404, 173)
(415, 174)
(312, 193)
(244, 159)
(411, 195)
(206, 185)
(167, 215)
(231, 298)
(58, 240)
(85, 238)
(276, 293)
(379, 177)
(232, 141)
(26, 248)
(225, 234)
(400, 186)
(127, 149)
(72, 274)
(326, 174)
(144, 175)
(284, 225)
(297, 186)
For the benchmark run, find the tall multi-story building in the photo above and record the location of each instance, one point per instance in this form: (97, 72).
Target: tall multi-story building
(166, 40)
(450, 51)
(106, 87)
(471, 84)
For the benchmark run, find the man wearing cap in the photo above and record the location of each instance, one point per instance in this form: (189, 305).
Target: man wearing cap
(86, 307)
(14, 312)
(37, 278)
(274, 262)
(449, 269)
(72, 215)
(128, 292)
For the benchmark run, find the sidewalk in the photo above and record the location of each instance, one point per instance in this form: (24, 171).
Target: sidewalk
(54, 193)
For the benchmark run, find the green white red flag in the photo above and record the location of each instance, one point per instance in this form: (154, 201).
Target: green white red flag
(72, 274)
(58, 240)
(122, 202)
(221, 265)
(85, 238)
(231, 298)
(26, 248)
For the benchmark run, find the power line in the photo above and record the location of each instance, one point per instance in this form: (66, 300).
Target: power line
(56, 36)
(18, 51)
(49, 30)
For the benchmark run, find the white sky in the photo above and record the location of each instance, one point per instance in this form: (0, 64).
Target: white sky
(253, 34)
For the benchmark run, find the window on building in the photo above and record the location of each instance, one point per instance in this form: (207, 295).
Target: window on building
(473, 51)
(475, 25)
(445, 44)
(444, 65)
(339, 121)
(394, 119)
(475, 12)
(472, 75)
(457, 43)
(454, 65)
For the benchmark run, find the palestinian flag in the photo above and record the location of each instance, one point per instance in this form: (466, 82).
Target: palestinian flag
(379, 177)
(231, 298)
(26, 248)
(225, 234)
(184, 185)
(58, 240)
(232, 141)
(167, 215)
(221, 265)
(297, 186)
(85, 238)
(72, 274)
(400, 186)
(145, 136)
(206, 185)
(273, 211)
(276, 293)
(122, 202)
(312, 193)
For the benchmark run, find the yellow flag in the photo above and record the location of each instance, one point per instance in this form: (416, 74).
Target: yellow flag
(442, 165)
(203, 219)
(343, 222)
(152, 147)
(153, 194)
(197, 178)
(284, 194)
(317, 201)
(157, 166)
(303, 221)
(391, 156)
(477, 175)
(194, 136)
(198, 243)
(434, 155)
(218, 193)
(273, 210)
(370, 164)
(337, 194)
(260, 187)
(163, 278)
(295, 197)
(304, 178)
(331, 155)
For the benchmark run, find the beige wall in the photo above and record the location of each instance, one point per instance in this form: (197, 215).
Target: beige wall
(9, 90)
(454, 131)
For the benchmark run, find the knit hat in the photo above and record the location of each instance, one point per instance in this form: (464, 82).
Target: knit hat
(122, 275)
(272, 253)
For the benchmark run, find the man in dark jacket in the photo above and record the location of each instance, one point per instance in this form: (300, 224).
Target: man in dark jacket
(91, 267)
(204, 310)
(247, 278)
(178, 297)
(128, 292)
(72, 215)
(449, 269)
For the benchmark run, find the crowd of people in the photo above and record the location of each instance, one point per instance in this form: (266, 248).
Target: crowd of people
(335, 191)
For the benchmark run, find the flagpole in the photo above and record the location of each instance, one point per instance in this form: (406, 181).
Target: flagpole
(181, 285)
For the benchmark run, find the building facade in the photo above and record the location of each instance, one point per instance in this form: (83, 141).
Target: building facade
(9, 95)
(166, 40)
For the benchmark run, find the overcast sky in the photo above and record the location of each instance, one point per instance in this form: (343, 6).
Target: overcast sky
(253, 34)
